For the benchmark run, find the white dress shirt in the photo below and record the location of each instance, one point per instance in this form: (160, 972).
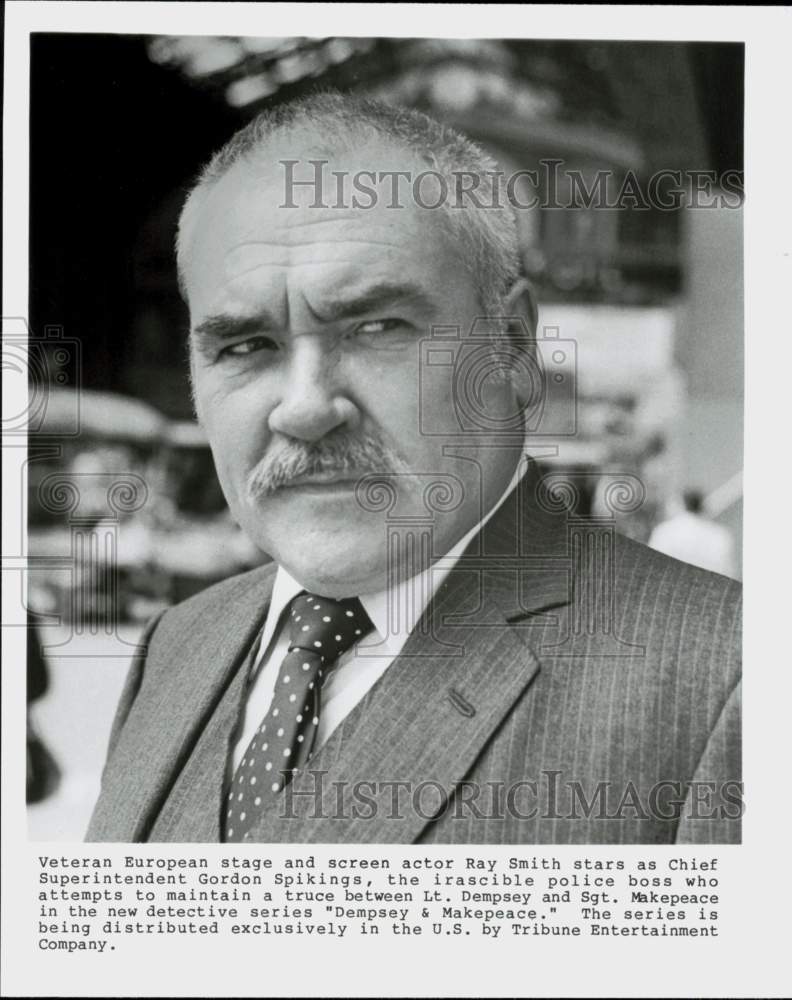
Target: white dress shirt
(359, 668)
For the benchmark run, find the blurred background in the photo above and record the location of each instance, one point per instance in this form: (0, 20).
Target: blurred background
(125, 515)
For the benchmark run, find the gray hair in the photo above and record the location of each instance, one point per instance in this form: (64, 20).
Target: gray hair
(485, 237)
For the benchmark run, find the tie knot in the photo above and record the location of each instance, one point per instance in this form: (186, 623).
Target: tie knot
(325, 626)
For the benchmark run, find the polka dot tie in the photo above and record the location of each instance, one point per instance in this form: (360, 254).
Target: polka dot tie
(321, 630)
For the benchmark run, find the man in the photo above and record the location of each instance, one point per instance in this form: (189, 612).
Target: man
(437, 652)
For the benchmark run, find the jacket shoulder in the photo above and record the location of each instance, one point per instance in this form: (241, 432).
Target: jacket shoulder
(646, 565)
(659, 596)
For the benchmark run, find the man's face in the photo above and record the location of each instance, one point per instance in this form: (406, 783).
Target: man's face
(306, 326)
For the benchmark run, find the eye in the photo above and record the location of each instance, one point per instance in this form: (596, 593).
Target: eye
(250, 346)
(375, 327)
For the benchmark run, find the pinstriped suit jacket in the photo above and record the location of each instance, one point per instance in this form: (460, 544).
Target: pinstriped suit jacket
(564, 686)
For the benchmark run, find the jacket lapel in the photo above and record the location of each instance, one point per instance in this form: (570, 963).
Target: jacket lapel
(175, 703)
(193, 808)
(392, 765)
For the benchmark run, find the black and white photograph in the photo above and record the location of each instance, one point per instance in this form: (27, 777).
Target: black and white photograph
(380, 478)
(439, 339)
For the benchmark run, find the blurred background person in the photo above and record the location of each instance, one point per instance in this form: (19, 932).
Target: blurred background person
(43, 773)
(692, 536)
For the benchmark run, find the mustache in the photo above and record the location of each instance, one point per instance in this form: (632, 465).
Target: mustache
(337, 453)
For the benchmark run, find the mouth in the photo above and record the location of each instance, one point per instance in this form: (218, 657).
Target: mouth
(324, 482)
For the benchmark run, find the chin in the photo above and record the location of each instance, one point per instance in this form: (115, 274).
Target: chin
(337, 563)
(339, 577)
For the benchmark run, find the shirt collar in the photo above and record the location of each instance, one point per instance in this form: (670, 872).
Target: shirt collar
(410, 596)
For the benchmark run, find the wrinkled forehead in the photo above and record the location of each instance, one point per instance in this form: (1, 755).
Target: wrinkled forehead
(272, 214)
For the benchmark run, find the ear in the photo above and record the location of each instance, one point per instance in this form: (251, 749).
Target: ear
(191, 378)
(521, 302)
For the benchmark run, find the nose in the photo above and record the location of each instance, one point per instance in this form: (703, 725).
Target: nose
(313, 400)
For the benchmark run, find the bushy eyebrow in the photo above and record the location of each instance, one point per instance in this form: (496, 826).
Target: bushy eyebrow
(378, 296)
(224, 326)
(381, 295)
